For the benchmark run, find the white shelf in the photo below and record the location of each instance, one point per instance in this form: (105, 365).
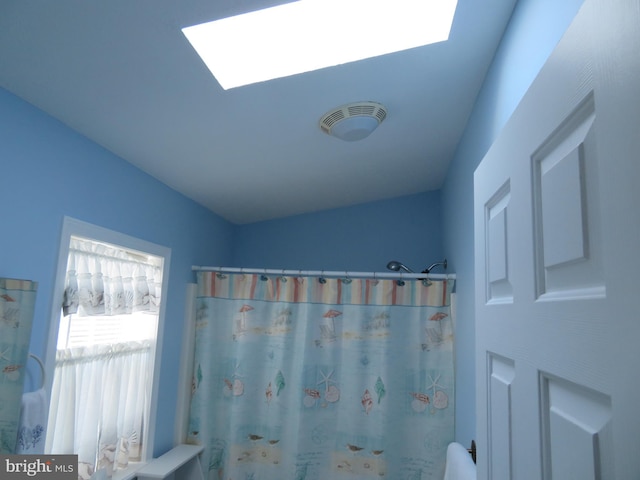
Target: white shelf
(181, 460)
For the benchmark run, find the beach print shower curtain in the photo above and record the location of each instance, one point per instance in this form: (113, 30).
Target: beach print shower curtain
(17, 303)
(313, 378)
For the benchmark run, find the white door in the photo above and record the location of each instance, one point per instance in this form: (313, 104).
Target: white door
(557, 257)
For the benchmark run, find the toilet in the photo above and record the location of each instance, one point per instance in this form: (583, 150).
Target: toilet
(460, 465)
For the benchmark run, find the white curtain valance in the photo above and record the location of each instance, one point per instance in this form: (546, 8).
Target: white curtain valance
(103, 280)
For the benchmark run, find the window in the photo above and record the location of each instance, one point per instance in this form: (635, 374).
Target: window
(104, 349)
(308, 35)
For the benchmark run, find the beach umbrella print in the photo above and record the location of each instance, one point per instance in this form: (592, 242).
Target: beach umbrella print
(329, 330)
(243, 317)
(435, 333)
(436, 317)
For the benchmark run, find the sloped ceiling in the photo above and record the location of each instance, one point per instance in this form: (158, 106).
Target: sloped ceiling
(122, 73)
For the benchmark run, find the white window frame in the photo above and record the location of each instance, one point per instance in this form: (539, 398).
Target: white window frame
(78, 228)
(181, 425)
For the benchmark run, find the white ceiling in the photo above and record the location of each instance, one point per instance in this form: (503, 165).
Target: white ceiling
(121, 73)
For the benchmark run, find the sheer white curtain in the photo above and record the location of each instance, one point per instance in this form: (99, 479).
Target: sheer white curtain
(102, 280)
(99, 396)
(101, 382)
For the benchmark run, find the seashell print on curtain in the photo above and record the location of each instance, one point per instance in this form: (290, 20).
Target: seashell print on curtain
(294, 378)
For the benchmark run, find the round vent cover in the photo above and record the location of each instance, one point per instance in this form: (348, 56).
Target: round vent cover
(354, 121)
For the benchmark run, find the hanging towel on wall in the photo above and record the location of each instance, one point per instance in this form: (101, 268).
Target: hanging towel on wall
(32, 424)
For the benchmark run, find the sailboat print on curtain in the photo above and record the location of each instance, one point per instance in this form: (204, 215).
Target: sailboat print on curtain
(308, 380)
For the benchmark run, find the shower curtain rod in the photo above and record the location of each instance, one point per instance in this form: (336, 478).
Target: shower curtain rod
(326, 273)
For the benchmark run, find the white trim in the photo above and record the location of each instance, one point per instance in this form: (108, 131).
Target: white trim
(72, 226)
(186, 367)
(181, 462)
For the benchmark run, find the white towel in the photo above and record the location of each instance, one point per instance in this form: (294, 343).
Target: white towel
(32, 424)
(460, 465)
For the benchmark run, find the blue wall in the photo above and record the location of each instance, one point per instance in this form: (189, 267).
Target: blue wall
(46, 168)
(534, 30)
(48, 171)
(420, 229)
(359, 238)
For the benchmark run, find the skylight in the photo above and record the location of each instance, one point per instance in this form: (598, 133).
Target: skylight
(312, 34)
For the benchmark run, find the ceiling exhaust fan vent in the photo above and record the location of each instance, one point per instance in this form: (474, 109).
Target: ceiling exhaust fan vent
(354, 121)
